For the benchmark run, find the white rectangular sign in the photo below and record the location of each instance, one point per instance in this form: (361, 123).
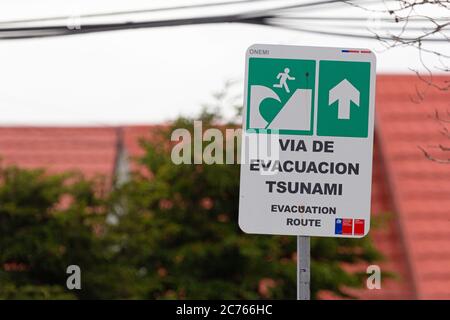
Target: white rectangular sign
(306, 159)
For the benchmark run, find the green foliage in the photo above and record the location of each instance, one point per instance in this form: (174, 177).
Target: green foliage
(10, 291)
(47, 223)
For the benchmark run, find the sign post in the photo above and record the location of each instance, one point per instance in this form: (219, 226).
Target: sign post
(303, 268)
(306, 157)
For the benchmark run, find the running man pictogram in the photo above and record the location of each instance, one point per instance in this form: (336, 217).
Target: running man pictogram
(284, 77)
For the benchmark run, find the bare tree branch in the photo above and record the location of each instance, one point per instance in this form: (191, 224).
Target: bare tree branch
(429, 157)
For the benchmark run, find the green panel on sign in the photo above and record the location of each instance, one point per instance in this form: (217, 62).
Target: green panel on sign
(343, 103)
(286, 88)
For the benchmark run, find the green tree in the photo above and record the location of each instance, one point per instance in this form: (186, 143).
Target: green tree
(180, 230)
(48, 222)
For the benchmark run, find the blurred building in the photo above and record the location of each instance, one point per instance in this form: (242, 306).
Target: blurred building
(410, 192)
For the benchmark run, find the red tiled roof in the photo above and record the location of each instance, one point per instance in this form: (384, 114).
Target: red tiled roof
(133, 135)
(408, 188)
(420, 188)
(91, 151)
(387, 239)
(416, 243)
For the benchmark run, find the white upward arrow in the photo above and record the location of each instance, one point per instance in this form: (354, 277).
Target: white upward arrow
(344, 92)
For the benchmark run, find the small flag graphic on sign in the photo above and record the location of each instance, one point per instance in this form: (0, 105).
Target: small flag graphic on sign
(338, 226)
(347, 226)
(343, 226)
(359, 227)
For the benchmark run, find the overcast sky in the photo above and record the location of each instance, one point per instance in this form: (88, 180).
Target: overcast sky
(138, 76)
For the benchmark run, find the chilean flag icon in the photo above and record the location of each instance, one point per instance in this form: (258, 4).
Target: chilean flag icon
(343, 226)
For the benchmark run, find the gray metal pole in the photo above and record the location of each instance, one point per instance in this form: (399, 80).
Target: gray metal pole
(303, 268)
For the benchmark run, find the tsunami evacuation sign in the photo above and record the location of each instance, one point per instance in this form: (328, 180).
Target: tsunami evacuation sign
(306, 158)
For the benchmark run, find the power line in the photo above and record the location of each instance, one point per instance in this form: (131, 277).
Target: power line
(255, 16)
(353, 35)
(140, 11)
(273, 17)
(51, 31)
(360, 19)
(176, 8)
(353, 22)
